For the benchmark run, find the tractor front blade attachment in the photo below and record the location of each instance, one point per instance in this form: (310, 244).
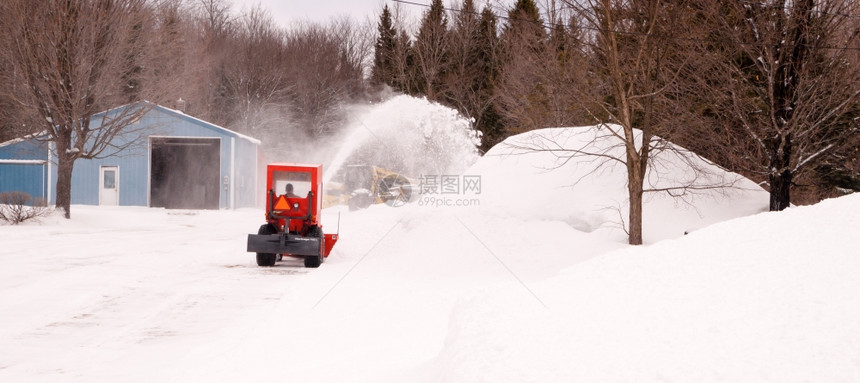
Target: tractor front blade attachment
(283, 243)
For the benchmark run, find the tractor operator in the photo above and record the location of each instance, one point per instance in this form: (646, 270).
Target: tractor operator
(290, 193)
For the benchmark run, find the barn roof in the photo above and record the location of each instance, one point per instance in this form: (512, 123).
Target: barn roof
(166, 110)
(207, 124)
(22, 139)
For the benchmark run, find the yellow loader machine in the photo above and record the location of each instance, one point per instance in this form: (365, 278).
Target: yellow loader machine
(365, 185)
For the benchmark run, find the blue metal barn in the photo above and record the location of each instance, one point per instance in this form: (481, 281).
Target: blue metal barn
(179, 162)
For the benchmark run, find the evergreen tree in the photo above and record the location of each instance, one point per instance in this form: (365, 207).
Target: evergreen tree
(467, 18)
(525, 24)
(523, 97)
(383, 55)
(489, 121)
(430, 50)
(460, 82)
(404, 77)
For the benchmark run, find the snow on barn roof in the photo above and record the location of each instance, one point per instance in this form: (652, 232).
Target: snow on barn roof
(175, 112)
(22, 139)
(180, 114)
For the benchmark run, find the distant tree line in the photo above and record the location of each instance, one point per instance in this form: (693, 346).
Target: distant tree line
(768, 89)
(241, 71)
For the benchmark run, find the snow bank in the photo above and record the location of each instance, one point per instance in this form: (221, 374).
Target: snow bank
(534, 176)
(768, 298)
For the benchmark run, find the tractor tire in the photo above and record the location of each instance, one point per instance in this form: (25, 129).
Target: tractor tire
(266, 259)
(314, 261)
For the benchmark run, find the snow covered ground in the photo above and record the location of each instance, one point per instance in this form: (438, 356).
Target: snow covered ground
(531, 282)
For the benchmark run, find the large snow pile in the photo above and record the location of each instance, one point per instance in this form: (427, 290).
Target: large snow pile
(532, 281)
(770, 298)
(537, 176)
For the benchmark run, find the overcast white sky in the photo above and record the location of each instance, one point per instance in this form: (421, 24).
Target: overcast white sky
(285, 11)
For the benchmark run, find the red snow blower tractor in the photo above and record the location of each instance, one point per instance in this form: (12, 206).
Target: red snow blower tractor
(292, 228)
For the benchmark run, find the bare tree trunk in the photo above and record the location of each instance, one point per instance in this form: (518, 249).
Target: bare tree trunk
(780, 176)
(635, 192)
(636, 160)
(65, 164)
(64, 185)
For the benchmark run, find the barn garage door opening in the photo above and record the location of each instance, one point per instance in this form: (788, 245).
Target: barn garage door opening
(185, 173)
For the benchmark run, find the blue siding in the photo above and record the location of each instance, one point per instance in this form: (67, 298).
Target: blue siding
(133, 178)
(245, 182)
(134, 181)
(134, 162)
(25, 177)
(28, 178)
(24, 150)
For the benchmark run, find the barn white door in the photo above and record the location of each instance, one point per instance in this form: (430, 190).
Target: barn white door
(109, 186)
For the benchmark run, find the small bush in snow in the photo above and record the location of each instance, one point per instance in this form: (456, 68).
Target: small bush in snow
(17, 207)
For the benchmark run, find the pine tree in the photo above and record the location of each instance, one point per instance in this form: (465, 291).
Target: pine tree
(404, 77)
(523, 96)
(460, 80)
(430, 50)
(383, 55)
(489, 121)
(525, 24)
(467, 18)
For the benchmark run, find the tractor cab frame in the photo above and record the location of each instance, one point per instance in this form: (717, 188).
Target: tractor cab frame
(293, 207)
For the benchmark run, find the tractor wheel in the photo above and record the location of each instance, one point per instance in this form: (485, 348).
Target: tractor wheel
(266, 259)
(315, 261)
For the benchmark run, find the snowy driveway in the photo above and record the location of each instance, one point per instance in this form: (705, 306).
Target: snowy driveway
(136, 294)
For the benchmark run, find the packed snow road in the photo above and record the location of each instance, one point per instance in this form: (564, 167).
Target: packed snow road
(151, 294)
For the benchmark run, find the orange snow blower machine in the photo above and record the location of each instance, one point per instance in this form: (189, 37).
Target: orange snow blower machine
(292, 228)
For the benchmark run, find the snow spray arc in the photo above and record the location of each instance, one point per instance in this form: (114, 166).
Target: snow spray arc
(403, 138)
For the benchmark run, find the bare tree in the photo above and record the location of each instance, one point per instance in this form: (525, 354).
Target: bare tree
(292, 82)
(783, 82)
(183, 57)
(74, 59)
(216, 29)
(11, 125)
(637, 55)
(215, 19)
(255, 75)
(326, 72)
(356, 42)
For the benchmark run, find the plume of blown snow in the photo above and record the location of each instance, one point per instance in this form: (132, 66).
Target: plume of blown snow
(409, 135)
